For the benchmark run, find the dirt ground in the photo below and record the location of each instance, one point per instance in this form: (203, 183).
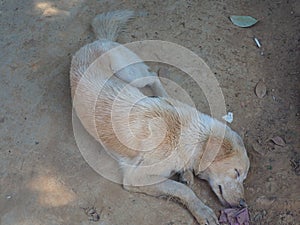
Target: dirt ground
(43, 177)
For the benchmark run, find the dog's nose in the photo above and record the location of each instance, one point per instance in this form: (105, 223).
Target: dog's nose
(243, 203)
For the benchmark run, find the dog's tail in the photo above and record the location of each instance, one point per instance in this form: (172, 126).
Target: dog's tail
(108, 25)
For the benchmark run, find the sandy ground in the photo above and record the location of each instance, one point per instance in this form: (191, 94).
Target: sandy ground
(43, 177)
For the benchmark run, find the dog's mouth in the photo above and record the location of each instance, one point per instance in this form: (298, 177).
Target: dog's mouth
(225, 203)
(221, 198)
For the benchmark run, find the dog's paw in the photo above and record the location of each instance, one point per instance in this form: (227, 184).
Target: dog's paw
(203, 214)
(186, 177)
(207, 217)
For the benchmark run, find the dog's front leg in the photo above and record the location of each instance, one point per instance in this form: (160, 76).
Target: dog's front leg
(202, 213)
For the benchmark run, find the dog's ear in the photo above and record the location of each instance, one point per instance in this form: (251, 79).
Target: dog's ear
(215, 149)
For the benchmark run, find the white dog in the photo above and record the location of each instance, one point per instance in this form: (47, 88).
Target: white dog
(152, 137)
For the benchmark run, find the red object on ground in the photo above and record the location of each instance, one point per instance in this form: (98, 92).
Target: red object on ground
(235, 216)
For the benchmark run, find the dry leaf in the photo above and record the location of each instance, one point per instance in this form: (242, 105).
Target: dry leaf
(278, 141)
(260, 89)
(243, 21)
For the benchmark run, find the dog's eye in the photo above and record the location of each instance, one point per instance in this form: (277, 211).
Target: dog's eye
(237, 172)
(220, 189)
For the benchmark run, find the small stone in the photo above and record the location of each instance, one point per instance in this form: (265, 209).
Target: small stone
(258, 217)
(94, 217)
(92, 214)
(91, 211)
(263, 200)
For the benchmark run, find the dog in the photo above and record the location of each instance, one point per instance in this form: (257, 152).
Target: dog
(153, 137)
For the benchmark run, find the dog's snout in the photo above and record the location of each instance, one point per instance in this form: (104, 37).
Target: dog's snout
(242, 203)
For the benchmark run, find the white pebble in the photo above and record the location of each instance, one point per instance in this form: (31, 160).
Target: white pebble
(229, 117)
(257, 42)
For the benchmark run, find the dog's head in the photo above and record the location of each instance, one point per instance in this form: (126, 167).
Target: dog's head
(225, 166)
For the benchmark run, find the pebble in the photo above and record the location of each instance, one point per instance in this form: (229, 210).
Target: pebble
(265, 201)
(91, 211)
(92, 214)
(94, 217)
(8, 196)
(260, 215)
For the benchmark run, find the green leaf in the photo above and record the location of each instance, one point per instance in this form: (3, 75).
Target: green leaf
(243, 21)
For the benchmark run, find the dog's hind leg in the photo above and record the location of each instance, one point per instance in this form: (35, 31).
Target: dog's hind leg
(137, 75)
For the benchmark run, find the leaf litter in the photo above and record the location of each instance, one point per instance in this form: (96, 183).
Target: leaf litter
(260, 89)
(278, 141)
(243, 21)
